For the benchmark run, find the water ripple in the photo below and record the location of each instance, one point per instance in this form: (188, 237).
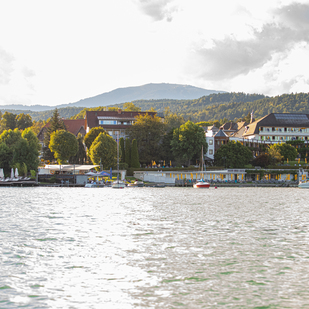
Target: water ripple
(154, 248)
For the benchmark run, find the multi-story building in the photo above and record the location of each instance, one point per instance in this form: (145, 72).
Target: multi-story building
(210, 133)
(276, 128)
(272, 128)
(114, 122)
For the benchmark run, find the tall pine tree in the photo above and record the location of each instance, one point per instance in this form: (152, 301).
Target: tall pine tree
(121, 145)
(127, 151)
(55, 124)
(134, 155)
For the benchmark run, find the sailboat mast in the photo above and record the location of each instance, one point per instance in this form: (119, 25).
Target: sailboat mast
(117, 156)
(202, 161)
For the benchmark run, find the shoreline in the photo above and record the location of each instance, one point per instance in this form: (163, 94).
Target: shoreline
(153, 185)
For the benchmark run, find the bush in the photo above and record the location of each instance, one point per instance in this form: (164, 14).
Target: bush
(52, 179)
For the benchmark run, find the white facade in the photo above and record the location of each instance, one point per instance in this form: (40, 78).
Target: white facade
(210, 140)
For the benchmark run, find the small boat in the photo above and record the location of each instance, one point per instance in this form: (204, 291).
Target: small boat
(118, 184)
(201, 184)
(94, 185)
(304, 184)
(137, 183)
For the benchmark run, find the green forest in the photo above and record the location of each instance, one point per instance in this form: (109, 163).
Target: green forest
(231, 106)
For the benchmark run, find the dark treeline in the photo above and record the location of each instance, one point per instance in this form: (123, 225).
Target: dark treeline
(66, 112)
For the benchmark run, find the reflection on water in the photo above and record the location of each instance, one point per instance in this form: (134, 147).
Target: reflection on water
(154, 248)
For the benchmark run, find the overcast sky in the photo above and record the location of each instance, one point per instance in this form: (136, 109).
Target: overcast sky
(56, 52)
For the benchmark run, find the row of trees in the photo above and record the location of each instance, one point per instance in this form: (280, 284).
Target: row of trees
(150, 139)
(10, 121)
(19, 149)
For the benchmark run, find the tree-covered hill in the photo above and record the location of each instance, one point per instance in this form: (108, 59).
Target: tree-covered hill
(67, 112)
(231, 106)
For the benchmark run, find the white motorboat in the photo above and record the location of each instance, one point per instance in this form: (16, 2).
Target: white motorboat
(94, 185)
(118, 184)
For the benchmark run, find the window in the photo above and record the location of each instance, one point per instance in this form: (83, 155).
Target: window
(107, 122)
(211, 152)
(210, 142)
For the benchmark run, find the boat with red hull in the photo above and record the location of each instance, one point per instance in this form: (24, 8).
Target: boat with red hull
(201, 184)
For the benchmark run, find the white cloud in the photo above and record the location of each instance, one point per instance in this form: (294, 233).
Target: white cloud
(6, 66)
(158, 9)
(63, 51)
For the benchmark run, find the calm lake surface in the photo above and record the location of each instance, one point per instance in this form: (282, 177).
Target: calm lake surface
(154, 248)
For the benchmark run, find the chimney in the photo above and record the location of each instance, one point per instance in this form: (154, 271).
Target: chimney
(119, 111)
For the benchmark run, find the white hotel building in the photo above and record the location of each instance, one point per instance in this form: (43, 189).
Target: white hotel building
(271, 129)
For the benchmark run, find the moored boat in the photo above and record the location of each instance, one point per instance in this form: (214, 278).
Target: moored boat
(304, 184)
(201, 184)
(94, 185)
(118, 184)
(137, 183)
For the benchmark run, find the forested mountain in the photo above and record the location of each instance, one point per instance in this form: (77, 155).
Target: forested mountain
(231, 106)
(145, 92)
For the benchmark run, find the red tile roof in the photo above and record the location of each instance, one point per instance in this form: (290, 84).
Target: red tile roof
(74, 126)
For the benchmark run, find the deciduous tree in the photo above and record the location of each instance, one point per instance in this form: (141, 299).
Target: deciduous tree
(130, 107)
(64, 145)
(274, 153)
(233, 154)
(8, 121)
(148, 132)
(288, 151)
(92, 135)
(187, 141)
(104, 149)
(23, 121)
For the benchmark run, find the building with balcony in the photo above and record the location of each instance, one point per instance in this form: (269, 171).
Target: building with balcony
(277, 128)
(113, 122)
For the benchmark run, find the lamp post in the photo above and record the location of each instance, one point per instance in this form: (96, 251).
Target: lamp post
(224, 158)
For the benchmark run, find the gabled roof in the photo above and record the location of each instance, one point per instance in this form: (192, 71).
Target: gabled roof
(213, 128)
(74, 126)
(221, 134)
(229, 126)
(279, 120)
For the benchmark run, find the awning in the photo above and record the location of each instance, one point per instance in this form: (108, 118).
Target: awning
(68, 168)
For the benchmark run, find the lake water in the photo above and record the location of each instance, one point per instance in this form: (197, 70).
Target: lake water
(154, 248)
